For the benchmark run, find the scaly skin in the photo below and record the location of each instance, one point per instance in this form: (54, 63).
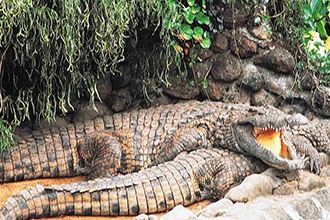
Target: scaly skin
(54, 152)
(310, 139)
(129, 142)
(202, 174)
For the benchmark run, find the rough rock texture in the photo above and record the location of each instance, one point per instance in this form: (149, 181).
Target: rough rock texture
(277, 59)
(179, 213)
(251, 78)
(243, 46)
(226, 67)
(221, 43)
(262, 97)
(87, 112)
(280, 85)
(201, 70)
(204, 54)
(254, 186)
(104, 88)
(214, 89)
(180, 89)
(312, 205)
(121, 100)
(322, 100)
(260, 31)
(308, 80)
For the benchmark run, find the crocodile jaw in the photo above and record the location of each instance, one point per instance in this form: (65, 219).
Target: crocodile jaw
(273, 140)
(281, 155)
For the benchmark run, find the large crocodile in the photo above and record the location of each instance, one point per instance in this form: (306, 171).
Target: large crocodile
(129, 142)
(202, 174)
(187, 179)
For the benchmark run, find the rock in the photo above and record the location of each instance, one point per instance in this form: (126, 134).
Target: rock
(314, 205)
(263, 98)
(308, 80)
(281, 85)
(321, 100)
(291, 108)
(146, 217)
(234, 94)
(123, 78)
(254, 186)
(89, 112)
(309, 181)
(121, 100)
(226, 67)
(261, 31)
(215, 209)
(325, 171)
(251, 78)
(286, 189)
(220, 44)
(204, 54)
(242, 46)
(201, 70)
(180, 89)
(179, 213)
(225, 92)
(60, 121)
(104, 88)
(235, 17)
(214, 89)
(157, 100)
(139, 87)
(278, 60)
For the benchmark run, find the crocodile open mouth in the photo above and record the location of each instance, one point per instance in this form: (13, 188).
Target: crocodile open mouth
(272, 139)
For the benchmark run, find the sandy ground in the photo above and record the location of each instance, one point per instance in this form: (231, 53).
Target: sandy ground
(9, 189)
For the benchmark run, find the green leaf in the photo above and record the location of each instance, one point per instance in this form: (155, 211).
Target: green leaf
(308, 11)
(315, 5)
(189, 17)
(321, 29)
(191, 2)
(204, 83)
(203, 19)
(176, 25)
(198, 32)
(205, 43)
(195, 9)
(186, 31)
(204, 4)
(170, 3)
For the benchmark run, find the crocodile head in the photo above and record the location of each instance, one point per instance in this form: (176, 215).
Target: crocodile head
(266, 136)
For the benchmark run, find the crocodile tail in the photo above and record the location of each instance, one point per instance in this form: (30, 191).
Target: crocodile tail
(41, 154)
(153, 190)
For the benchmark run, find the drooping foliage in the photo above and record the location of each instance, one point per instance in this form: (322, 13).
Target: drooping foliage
(50, 50)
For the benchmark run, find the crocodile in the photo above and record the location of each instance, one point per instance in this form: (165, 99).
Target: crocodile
(132, 141)
(201, 174)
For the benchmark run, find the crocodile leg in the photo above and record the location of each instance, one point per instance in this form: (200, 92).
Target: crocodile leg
(217, 175)
(186, 139)
(100, 155)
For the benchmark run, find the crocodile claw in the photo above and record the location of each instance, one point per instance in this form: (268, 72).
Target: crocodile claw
(314, 164)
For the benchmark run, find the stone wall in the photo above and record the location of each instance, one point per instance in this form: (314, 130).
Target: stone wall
(247, 65)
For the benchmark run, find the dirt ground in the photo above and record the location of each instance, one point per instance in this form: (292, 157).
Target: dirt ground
(9, 189)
